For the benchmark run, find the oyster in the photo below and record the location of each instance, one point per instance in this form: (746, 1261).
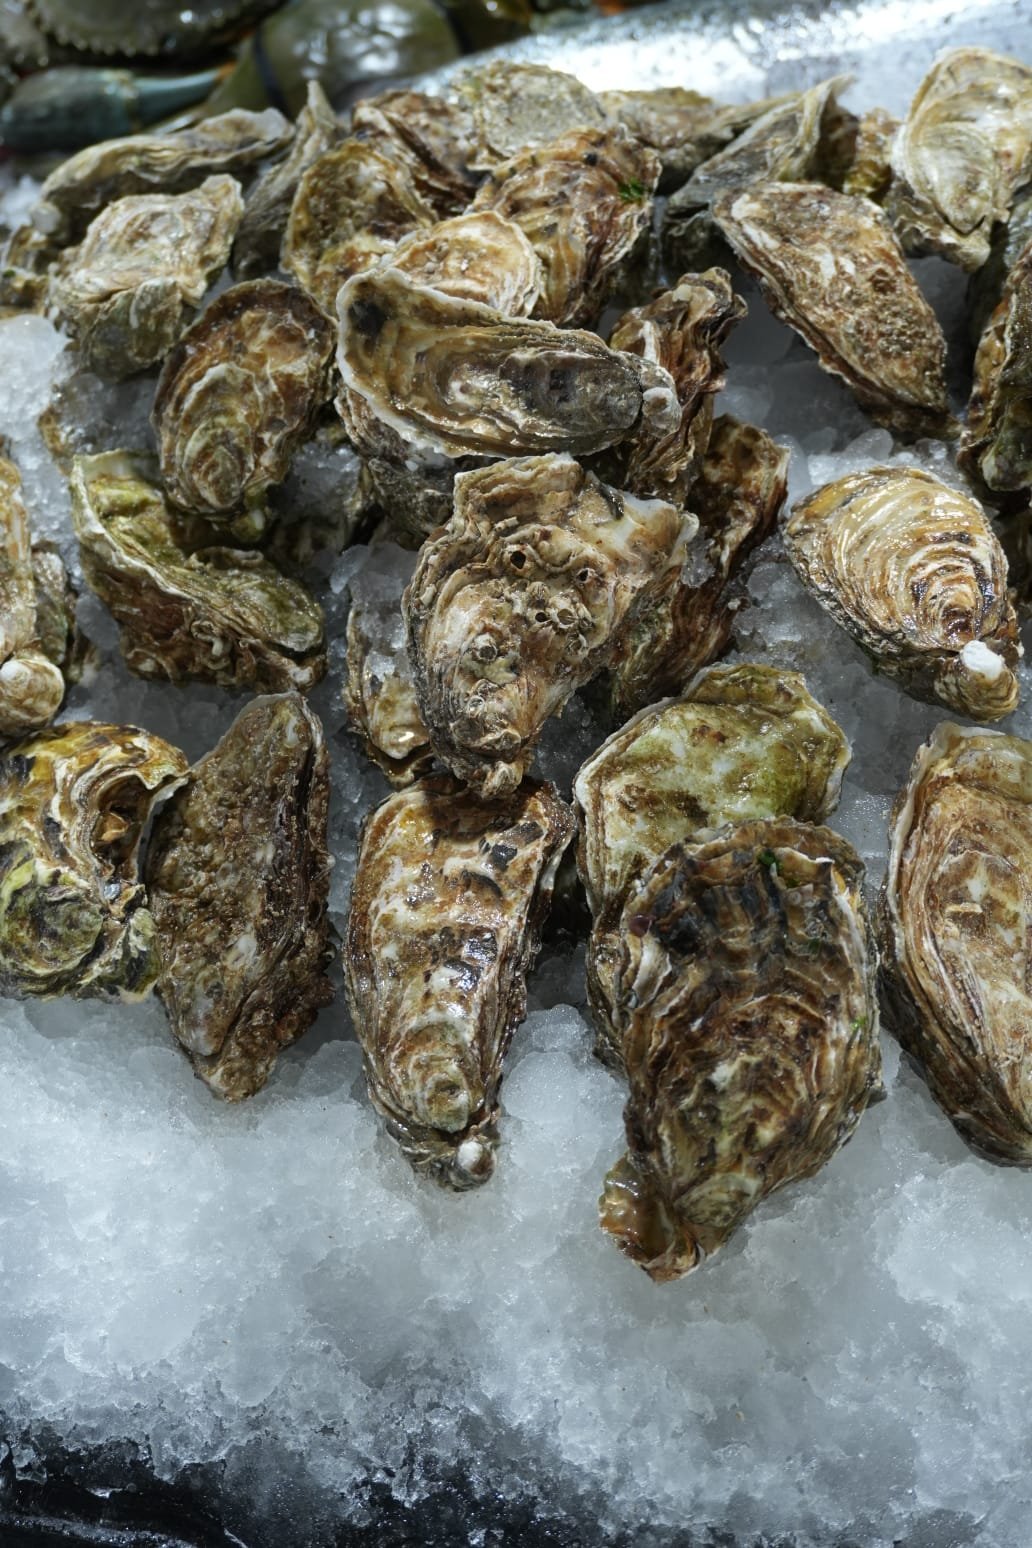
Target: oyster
(74, 801)
(379, 690)
(870, 170)
(583, 200)
(129, 290)
(997, 441)
(57, 631)
(514, 107)
(914, 572)
(520, 599)
(749, 1026)
(32, 685)
(429, 135)
(238, 395)
(830, 266)
(683, 127)
(458, 377)
(449, 897)
(479, 256)
(953, 925)
(688, 621)
(415, 492)
(222, 615)
(238, 879)
(963, 150)
(744, 742)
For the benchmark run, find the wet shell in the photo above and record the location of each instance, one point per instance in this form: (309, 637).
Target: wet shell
(870, 170)
(744, 742)
(449, 897)
(997, 443)
(456, 377)
(379, 687)
(682, 126)
(132, 286)
(239, 394)
(151, 27)
(914, 572)
(583, 200)
(74, 802)
(238, 878)
(520, 599)
(57, 630)
(964, 148)
(429, 135)
(31, 683)
(479, 256)
(222, 615)
(953, 924)
(830, 266)
(749, 1021)
(514, 107)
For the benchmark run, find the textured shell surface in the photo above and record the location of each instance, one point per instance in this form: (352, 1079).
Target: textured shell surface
(684, 127)
(584, 200)
(954, 932)
(238, 877)
(429, 135)
(218, 614)
(516, 106)
(830, 266)
(478, 256)
(869, 173)
(379, 686)
(32, 685)
(455, 377)
(748, 1017)
(129, 290)
(519, 601)
(964, 148)
(57, 628)
(147, 26)
(744, 742)
(238, 395)
(448, 900)
(74, 802)
(913, 570)
(997, 440)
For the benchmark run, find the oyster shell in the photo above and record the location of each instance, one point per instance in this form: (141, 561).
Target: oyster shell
(997, 440)
(744, 742)
(129, 290)
(830, 266)
(448, 900)
(430, 135)
(457, 377)
(379, 688)
(57, 631)
(32, 685)
(870, 170)
(954, 934)
(583, 200)
(683, 127)
(520, 599)
(479, 256)
(238, 395)
(749, 1023)
(914, 572)
(223, 615)
(688, 621)
(74, 801)
(238, 879)
(963, 150)
(513, 107)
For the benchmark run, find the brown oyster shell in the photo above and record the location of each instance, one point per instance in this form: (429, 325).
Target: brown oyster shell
(682, 126)
(379, 687)
(238, 880)
(914, 572)
(830, 266)
(997, 443)
(520, 599)
(448, 901)
(238, 395)
(479, 256)
(953, 925)
(74, 802)
(129, 290)
(749, 1026)
(57, 630)
(221, 615)
(514, 107)
(32, 685)
(430, 135)
(870, 170)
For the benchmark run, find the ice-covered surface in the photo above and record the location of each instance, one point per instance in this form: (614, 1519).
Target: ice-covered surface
(269, 1285)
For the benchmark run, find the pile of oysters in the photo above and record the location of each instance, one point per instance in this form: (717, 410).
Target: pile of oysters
(509, 301)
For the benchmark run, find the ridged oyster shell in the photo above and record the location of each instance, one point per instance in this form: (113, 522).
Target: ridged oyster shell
(74, 802)
(682, 126)
(749, 1027)
(238, 878)
(520, 599)
(997, 441)
(514, 107)
(379, 686)
(448, 900)
(870, 167)
(913, 571)
(479, 256)
(32, 685)
(430, 135)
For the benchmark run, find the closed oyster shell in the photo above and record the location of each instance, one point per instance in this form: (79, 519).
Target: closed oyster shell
(963, 150)
(687, 622)
(131, 287)
(379, 687)
(997, 441)
(744, 742)
(913, 571)
(456, 377)
(749, 1022)
(682, 126)
(583, 200)
(870, 169)
(238, 395)
(953, 925)
(31, 683)
(74, 802)
(830, 266)
(520, 599)
(430, 135)
(479, 256)
(513, 107)
(448, 901)
(238, 879)
(223, 615)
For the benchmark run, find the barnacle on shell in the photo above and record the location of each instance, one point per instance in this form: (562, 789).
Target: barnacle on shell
(448, 901)
(32, 684)
(515, 106)
(997, 441)
(379, 687)
(914, 572)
